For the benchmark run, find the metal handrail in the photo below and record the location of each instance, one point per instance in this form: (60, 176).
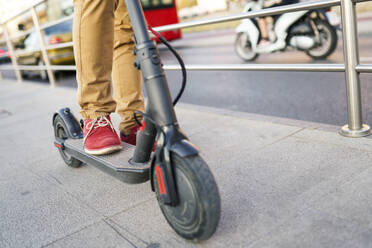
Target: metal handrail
(351, 68)
(261, 67)
(21, 34)
(252, 14)
(366, 68)
(39, 67)
(24, 67)
(42, 27)
(20, 12)
(44, 51)
(56, 22)
(20, 52)
(60, 45)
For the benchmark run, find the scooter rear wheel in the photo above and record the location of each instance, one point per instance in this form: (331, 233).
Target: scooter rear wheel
(328, 36)
(61, 134)
(197, 215)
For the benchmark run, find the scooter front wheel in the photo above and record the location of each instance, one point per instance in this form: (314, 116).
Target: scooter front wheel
(61, 134)
(243, 47)
(197, 214)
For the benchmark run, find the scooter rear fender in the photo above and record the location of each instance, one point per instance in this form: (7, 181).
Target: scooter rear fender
(74, 130)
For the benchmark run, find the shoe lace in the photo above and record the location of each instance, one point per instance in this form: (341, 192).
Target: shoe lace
(96, 123)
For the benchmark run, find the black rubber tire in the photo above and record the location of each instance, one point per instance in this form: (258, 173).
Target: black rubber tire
(61, 134)
(198, 195)
(240, 51)
(331, 31)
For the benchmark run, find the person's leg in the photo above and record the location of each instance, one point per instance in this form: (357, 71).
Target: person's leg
(126, 79)
(263, 29)
(93, 36)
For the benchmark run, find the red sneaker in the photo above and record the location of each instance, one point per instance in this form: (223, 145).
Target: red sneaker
(100, 137)
(130, 138)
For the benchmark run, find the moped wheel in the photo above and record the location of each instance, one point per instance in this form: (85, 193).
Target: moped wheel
(243, 47)
(60, 133)
(198, 213)
(328, 41)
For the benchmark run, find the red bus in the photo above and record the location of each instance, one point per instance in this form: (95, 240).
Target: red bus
(160, 13)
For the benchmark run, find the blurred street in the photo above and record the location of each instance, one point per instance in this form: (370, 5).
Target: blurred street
(316, 97)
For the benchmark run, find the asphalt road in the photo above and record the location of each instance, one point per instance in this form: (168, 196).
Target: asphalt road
(318, 97)
(309, 96)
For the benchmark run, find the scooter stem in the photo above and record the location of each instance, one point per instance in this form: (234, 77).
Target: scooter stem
(160, 106)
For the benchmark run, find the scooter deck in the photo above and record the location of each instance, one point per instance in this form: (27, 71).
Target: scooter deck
(116, 164)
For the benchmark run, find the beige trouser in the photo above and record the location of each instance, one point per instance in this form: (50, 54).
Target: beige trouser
(103, 44)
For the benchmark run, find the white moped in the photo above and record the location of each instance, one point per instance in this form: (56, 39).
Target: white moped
(309, 31)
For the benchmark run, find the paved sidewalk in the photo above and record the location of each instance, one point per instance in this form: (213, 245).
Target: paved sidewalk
(283, 183)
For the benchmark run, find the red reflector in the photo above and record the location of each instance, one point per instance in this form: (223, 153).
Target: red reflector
(1, 52)
(143, 126)
(160, 179)
(57, 145)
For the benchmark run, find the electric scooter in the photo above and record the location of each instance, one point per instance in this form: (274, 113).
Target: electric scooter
(184, 185)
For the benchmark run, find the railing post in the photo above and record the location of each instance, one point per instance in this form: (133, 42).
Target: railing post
(13, 58)
(355, 127)
(44, 52)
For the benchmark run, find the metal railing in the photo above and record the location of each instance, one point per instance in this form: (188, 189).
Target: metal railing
(352, 68)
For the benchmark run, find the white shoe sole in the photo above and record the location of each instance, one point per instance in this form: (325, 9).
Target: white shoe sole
(104, 151)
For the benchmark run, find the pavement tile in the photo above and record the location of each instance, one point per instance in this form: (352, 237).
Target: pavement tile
(280, 185)
(100, 191)
(10, 89)
(336, 139)
(351, 200)
(99, 235)
(34, 211)
(146, 222)
(313, 228)
(226, 132)
(4, 243)
(261, 189)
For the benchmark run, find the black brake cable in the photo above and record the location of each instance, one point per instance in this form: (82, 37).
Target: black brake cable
(142, 124)
(180, 61)
(183, 86)
(137, 112)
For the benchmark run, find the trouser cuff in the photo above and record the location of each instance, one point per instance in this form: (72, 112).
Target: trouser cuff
(92, 114)
(126, 125)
